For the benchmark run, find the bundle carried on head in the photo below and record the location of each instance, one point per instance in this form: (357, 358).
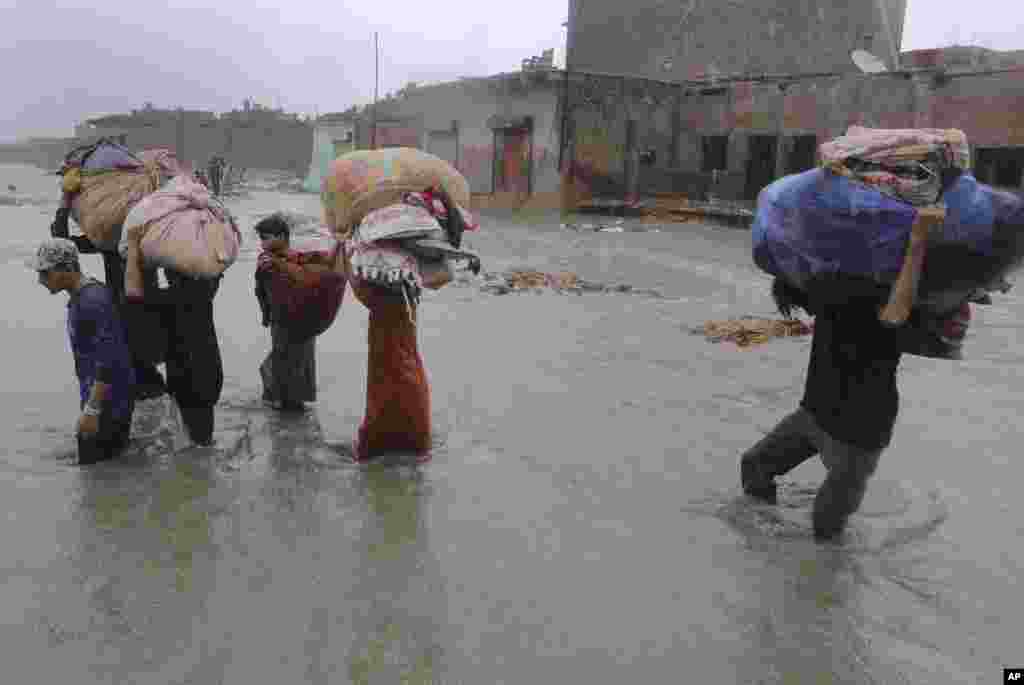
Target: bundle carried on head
(103, 181)
(913, 165)
(828, 220)
(880, 193)
(183, 228)
(402, 213)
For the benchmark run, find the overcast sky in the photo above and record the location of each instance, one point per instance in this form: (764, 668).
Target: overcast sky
(72, 60)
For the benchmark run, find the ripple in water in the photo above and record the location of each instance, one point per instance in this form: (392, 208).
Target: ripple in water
(892, 515)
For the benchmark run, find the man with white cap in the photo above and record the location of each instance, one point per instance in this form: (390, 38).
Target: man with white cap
(102, 360)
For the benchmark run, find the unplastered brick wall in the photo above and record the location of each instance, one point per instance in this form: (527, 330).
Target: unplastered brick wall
(988, 107)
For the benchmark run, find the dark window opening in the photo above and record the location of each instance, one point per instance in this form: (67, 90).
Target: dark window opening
(802, 155)
(716, 150)
(1000, 166)
(760, 164)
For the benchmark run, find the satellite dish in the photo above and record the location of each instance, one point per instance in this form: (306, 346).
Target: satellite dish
(867, 62)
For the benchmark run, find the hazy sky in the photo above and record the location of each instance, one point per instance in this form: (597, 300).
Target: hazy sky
(69, 61)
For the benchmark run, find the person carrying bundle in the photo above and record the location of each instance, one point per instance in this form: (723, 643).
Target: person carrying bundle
(100, 183)
(194, 239)
(299, 293)
(851, 398)
(400, 213)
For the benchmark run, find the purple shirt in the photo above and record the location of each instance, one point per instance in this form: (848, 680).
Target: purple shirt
(99, 345)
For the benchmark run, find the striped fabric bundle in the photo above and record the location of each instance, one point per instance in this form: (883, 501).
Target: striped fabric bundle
(907, 164)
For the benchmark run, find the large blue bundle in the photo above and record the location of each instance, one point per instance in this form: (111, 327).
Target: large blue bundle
(819, 222)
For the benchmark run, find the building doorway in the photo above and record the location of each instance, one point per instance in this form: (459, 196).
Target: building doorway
(512, 156)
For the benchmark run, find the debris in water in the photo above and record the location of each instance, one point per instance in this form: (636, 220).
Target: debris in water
(748, 331)
(527, 280)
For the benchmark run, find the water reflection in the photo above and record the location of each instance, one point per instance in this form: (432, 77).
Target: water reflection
(397, 595)
(171, 513)
(825, 613)
(156, 519)
(293, 481)
(801, 614)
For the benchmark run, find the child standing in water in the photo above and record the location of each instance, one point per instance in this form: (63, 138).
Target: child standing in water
(289, 371)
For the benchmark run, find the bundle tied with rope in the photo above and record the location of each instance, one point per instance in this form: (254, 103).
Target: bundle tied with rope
(103, 181)
(181, 227)
(912, 165)
(880, 200)
(401, 214)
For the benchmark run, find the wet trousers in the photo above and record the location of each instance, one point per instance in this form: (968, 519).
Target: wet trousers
(111, 438)
(289, 371)
(142, 329)
(195, 372)
(397, 392)
(793, 441)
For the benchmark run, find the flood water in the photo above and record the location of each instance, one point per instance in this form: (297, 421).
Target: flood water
(580, 521)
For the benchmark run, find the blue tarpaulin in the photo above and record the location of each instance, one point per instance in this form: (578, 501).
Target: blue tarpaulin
(819, 222)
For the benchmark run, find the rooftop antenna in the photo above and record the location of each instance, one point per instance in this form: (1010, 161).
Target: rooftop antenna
(868, 63)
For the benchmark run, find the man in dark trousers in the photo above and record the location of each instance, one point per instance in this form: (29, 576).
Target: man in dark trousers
(195, 372)
(850, 400)
(102, 360)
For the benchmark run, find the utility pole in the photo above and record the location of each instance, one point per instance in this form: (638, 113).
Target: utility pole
(566, 149)
(376, 82)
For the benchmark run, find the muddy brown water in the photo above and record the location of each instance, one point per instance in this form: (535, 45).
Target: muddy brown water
(580, 521)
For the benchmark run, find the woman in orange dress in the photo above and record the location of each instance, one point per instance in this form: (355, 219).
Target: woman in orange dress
(398, 408)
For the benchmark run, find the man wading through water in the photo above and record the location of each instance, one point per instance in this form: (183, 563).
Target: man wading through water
(102, 360)
(850, 398)
(149, 382)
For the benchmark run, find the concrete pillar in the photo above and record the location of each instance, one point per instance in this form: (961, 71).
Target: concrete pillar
(922, 99)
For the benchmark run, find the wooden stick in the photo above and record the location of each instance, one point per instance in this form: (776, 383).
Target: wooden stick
(904, 290)
(133, 280)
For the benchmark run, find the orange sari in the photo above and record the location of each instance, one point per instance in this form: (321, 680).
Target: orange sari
(397, 391)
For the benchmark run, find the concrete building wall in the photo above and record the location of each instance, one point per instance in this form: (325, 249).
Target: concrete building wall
(258, 142)
(266, 146)
(458, 119)
(687, 39)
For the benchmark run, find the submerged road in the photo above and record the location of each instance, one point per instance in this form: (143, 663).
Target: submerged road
(579, 522)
